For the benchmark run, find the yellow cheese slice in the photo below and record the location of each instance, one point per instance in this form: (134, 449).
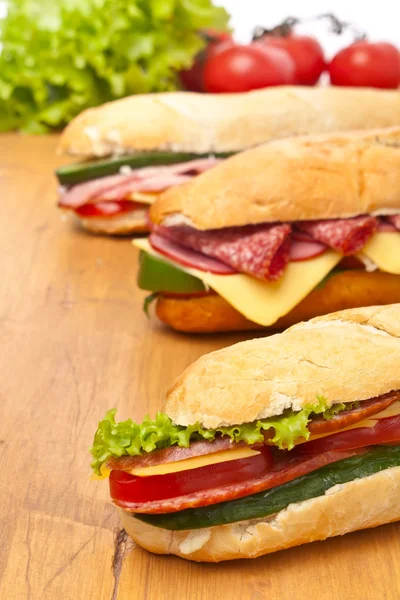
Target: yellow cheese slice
(195, 462)
(145, 198)
(384, 250)
(105, 472)
(262, 301)
(391, 411)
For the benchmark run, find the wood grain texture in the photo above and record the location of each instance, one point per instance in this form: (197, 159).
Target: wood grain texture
(75, 342)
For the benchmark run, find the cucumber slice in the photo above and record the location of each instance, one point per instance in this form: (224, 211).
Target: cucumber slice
(80, 172)
(272, 501)
(156, 275)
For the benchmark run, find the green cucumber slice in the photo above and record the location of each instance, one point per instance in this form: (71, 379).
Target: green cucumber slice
(81, 172)
(156, 275)
(272, 501)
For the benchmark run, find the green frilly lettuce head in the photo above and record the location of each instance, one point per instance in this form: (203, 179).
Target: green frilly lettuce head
(127, 438)
(59, 57)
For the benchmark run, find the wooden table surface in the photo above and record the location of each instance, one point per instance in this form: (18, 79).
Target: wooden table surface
(74, 342)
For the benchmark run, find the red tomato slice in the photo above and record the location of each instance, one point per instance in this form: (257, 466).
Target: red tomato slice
(129, 488)
(107, 209)
(385, 431)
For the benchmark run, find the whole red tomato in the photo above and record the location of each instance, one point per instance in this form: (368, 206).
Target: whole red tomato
(244, 68)
(192, 79)
(306, 52)
(366, 64)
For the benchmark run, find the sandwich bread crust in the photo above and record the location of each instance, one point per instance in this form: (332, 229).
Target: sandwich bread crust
(359, 504)
(347, 356)
(310, 177)
(189, 122)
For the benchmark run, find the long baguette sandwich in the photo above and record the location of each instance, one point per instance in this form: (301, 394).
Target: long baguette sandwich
(278, 234)
(132, 149)
(267, 444)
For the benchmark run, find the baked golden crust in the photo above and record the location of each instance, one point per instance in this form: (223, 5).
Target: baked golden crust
(359, 504)
(309, 177)
(188, 122)
(345, 289)
(124, 224)
(348, 356)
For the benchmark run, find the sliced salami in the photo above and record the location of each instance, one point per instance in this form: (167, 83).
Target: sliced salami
(187, 257)
(347, 236)
(368, 408)
(395, 220)
(259, 250)
(290, 466)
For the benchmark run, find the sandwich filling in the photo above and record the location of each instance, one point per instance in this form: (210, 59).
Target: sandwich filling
(275, 265)
(117, 186)
(179, 477)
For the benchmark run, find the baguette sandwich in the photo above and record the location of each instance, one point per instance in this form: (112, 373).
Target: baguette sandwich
(267, 444)
(278, 234)
(132, 149)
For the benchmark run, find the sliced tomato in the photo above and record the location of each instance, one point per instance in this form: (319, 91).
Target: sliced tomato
(385, 431)
(107, 209)
(129, 488)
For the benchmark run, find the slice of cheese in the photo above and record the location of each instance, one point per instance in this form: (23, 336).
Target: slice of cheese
(384, 250)
(105, 472)
(391, 411)
(195, 462)
(262, 301)
(145, 197)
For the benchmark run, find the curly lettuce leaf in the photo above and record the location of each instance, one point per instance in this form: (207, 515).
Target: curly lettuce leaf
(59, 58)
(114, 439)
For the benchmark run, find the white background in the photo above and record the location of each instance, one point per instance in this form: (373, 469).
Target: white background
(380, 19)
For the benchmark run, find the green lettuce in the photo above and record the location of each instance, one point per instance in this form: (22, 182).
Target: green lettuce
(60, 57)
(114, 439)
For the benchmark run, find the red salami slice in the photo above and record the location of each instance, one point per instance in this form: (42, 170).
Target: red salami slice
(173, 454)
(302, 250)
(259, 250)
(319, 426)
(395, 220)
(290, 466)
(187, 257)
(348, 236)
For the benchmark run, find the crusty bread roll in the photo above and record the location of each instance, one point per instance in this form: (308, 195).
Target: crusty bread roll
(346, 356)
(345, 289)
(310, 177)
(359, 504)
(201, 123)
(342, 356)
